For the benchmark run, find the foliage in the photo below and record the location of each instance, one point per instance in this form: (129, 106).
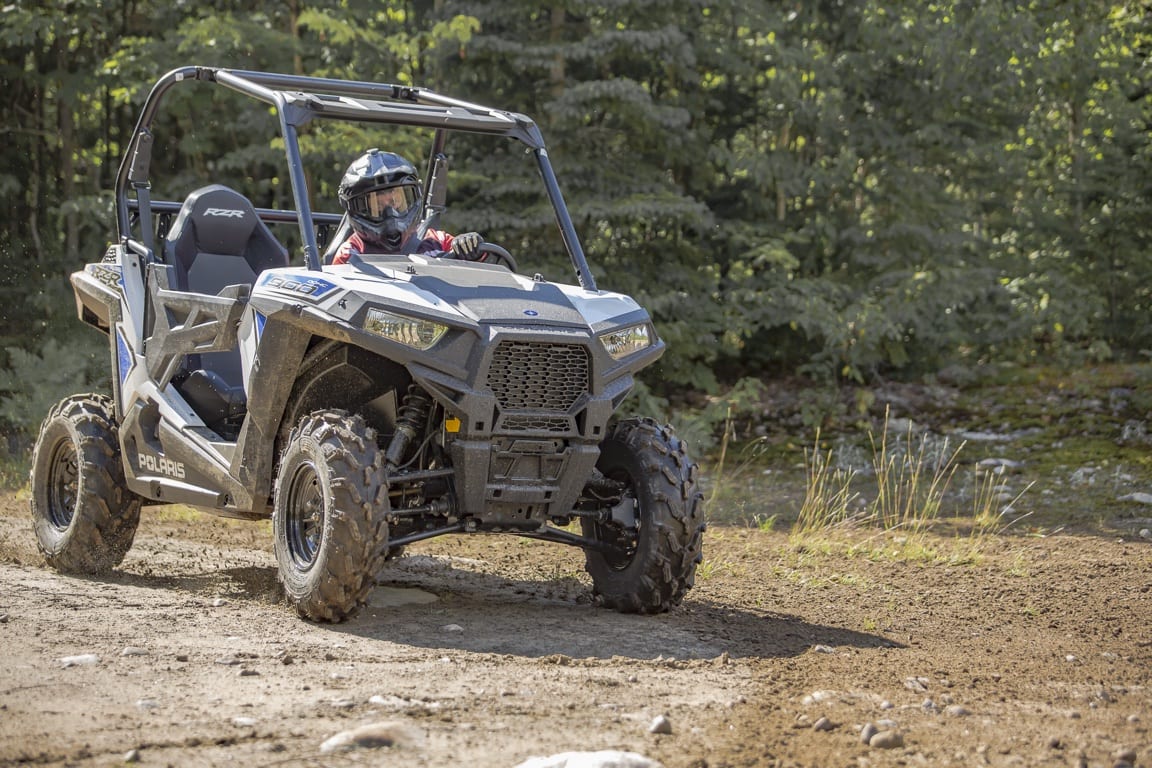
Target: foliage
(38, 380)
(848, 190)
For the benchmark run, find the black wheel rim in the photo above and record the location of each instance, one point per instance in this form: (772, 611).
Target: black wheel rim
(305, 519)
(63, 485)
(623, 540)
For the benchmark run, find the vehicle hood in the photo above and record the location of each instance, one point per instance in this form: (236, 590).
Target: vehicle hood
(486, 294)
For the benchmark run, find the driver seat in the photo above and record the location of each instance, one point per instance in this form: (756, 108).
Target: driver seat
(218, 240)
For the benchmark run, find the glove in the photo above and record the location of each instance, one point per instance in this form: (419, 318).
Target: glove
(467, 246)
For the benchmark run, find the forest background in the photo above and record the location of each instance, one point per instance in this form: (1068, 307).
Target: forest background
(835, 191)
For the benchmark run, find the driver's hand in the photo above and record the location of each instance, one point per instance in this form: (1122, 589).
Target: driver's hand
(467, 246)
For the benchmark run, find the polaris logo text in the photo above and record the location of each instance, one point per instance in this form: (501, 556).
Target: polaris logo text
(147, 461)
(227, 213)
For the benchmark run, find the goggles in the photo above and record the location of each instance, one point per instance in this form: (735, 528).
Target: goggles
(376, 204)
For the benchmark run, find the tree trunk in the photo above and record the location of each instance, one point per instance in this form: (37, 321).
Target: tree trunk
(556, 74)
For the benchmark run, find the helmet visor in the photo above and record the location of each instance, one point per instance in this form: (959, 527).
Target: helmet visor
(378, 204)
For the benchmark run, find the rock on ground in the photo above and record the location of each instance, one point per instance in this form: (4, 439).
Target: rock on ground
(602, 759)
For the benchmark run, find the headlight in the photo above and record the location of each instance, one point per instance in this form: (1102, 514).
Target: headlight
(409, 331)
(624, 341)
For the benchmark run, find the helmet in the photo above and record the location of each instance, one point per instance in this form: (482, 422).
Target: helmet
(382, 194)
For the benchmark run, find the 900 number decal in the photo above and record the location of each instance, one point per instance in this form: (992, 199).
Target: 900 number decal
(299, 285)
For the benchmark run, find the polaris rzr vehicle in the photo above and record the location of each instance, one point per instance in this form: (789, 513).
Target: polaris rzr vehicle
(362, 406)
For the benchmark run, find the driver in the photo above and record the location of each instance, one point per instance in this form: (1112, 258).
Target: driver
(384, 200)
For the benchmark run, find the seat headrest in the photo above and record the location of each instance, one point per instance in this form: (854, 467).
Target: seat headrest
(221, 219)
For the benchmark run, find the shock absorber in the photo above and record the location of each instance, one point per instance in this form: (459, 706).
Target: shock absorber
(410, 422)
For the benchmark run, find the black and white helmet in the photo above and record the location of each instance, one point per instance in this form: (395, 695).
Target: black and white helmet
(382, 194)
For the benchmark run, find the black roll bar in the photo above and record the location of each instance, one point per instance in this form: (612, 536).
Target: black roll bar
(298, 99)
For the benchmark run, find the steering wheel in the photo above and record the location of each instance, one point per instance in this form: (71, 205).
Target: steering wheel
(501, 254)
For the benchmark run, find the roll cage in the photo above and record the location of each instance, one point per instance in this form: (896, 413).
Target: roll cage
(298, 100)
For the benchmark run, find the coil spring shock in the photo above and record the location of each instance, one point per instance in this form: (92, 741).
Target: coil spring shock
(410, 423)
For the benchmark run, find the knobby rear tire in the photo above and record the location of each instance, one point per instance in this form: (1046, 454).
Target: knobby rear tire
(84, 516)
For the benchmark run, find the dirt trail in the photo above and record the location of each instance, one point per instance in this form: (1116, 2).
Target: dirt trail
(487, 651)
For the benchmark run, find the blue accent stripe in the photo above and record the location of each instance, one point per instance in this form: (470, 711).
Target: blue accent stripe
(260, 321)
(123, 356)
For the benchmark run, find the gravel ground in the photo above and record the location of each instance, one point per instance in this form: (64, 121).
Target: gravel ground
(488, 652)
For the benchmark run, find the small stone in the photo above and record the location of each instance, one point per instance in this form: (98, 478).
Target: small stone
(181, 657)
(249, 673)
(661, 725)
(243, 722)
(1000, 465)
(147, 705)
(823, 724)
(1055, 743)
(1124, 755)
(919, 684)
(1145, 533)
(887, 725)
(887, 740)
(227, 661)
(817, 696)
(3, 618)
(1133, 719)
(887, 705)
(928, 705)
(133, 651)
(219, 602)
(867, 732)
(287, 659)
(343, 703)
(823, 649)
(83, 660)
(452, 628)
(603, 759)
(1138, 497)
(956, 710)
(131, 756)
(374, 736)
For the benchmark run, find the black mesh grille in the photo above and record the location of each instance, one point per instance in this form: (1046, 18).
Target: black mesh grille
(538, 377)
(517, 423)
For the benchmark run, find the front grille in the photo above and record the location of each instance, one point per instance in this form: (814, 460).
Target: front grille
(538, 377)
(530, 423)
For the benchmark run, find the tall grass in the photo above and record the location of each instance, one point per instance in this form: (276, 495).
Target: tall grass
(828, 494)
(729, 472)
(912, 475)
(898, 502)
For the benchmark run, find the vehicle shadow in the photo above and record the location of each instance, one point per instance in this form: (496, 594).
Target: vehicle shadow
(428, 603)
(246, 583)
(450, 605)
